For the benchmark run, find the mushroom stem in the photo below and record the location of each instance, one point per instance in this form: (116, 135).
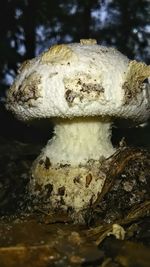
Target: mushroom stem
(79, 140)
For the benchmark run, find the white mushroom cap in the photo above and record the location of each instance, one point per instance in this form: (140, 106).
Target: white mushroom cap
(80, 79)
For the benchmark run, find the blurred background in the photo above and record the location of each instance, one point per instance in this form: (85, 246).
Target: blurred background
(28, 27)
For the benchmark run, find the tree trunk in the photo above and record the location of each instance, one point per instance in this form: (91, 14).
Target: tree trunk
(30, 28)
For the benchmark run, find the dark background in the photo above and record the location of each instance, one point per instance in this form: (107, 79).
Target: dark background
(27, 27)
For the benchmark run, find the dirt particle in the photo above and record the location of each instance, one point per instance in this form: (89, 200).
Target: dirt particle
(128, 186)
(75, 259)
(61, 191)
(49, 189)
(69, 95)
(88, 179)
(92, 87)
(38, 187)
(64, 165)
(47, 163)
(53, 74)
(62, 202)
(41, 161)
(76, 179)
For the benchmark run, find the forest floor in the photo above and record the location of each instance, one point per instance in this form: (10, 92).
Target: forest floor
(117, 232)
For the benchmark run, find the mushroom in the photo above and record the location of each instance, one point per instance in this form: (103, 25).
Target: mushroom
(82, 87)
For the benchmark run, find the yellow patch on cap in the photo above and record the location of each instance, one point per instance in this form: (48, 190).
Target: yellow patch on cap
(137, 72)
(57, 54)
(88, 41)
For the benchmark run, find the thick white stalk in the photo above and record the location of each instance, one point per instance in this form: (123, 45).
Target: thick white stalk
(78, 141)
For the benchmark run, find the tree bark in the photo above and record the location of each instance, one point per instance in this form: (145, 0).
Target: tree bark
(30, 14)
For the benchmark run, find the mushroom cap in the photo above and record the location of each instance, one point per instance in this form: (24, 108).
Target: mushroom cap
(80, 79)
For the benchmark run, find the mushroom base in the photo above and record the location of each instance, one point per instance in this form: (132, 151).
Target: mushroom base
(63, 187)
